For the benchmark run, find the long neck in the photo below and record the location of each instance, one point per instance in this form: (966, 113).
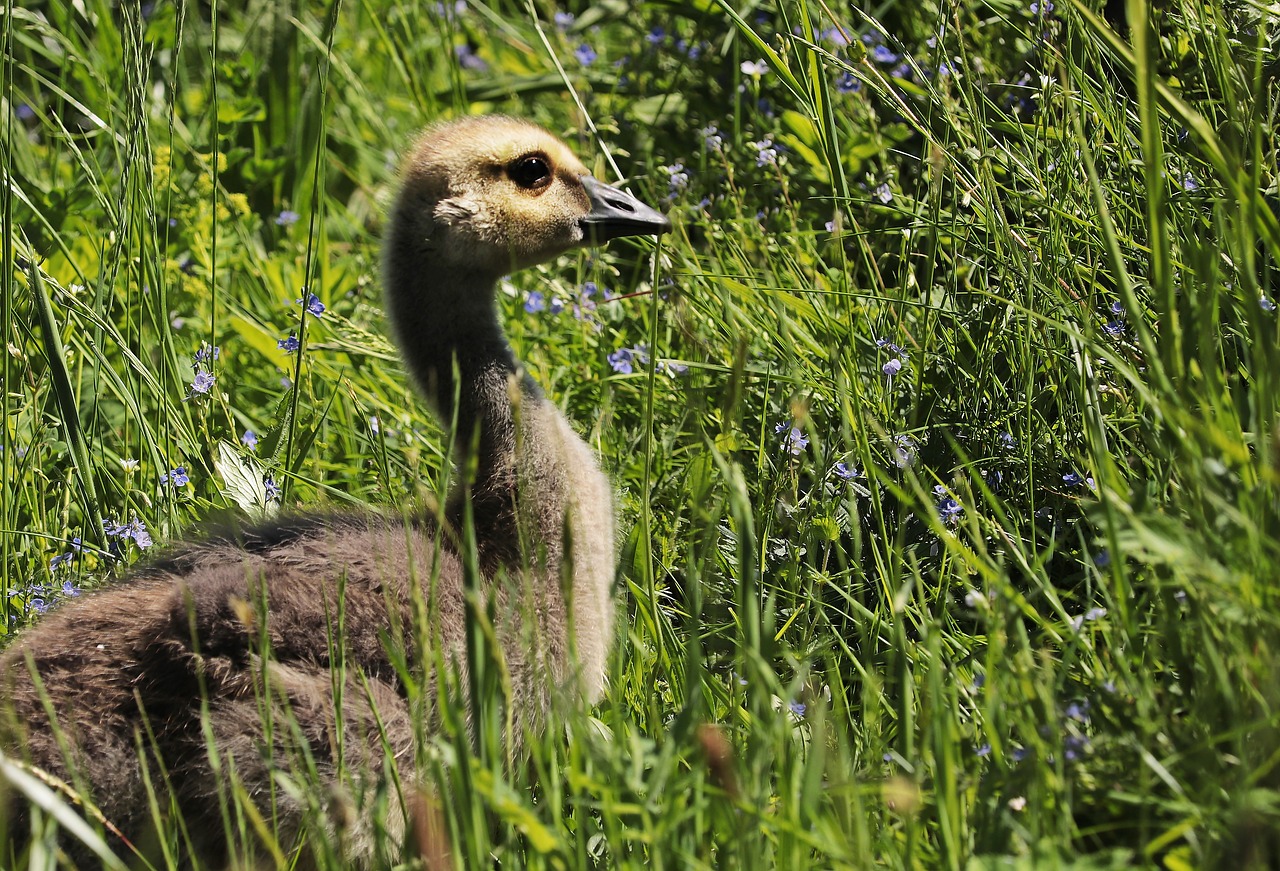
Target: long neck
(447, 327)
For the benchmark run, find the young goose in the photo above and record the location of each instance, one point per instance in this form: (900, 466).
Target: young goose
(131, 666)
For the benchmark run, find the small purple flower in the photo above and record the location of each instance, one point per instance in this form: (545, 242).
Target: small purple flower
(884, 194)
(207, 354)
(982, 751)
(882, 54)
(250, 439)
(711, 138)
(1017, 754)
(1073, 747)
(848, 84)
(564, 20)
(620, 360)
(794, 441)
(1046, 7)
(845, 472)
(24, 112)
(1266, 304)
(1102, 559)
(202, 383)
(1007, 441)
(69, 589)
(178, 477)
(893, 367)
(950, 510)
(556, 306)
(1071, 479)
(313, 305)
(1078, 711)
(1189, 183)
(535, 302)
(1117, 307)
(468, 59)
(1115, 328)
(287, 218)
(904, 450)
(585, 54)
(38, 604)
(655, 36)
(766, 152)
(678, 178)
(61, 559)
(272, 489)
(289, 345)
(797, 708)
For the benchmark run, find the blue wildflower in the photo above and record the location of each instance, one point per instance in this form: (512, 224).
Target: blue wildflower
(904, 451)
(949, 510)
(178, 477)
(1046, 6)
(711, 138)
(289, 345)
(1071, 479)
(766, 152)
(1189, 183)
(468, 59)
(313, 305)
(882, 54)
(207, 353)
(845, 472)
(287, 218)
(794, 441)
(1115, 328)
(982, 751)
(655, 36)
(61, 559)
(585, 54)
(1073, 747)
(1266, 304)
(1078, 711)
(678, 178)
(564, 20)
(250, 439)
(202, 383)
(272, 489)
(797, 708)
(69, 589)
(884, 194)
(893, 367)
(24, 112)
(620, 360)
(848, 84)
(534, 302)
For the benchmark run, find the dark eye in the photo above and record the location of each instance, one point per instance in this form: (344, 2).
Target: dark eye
(530, 172)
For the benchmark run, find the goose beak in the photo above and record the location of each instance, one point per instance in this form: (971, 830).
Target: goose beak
(617, 213)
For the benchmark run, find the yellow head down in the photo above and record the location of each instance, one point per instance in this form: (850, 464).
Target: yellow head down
(492, 194)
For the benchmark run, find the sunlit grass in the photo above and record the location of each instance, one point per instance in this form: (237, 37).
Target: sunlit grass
(948, 475)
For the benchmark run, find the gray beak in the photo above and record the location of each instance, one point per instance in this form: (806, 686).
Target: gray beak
(617, 213)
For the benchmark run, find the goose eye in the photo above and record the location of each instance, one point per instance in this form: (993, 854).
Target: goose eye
(530, 172)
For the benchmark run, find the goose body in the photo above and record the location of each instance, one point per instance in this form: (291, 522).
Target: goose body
(126, 671)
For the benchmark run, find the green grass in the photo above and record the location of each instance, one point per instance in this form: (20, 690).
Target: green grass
(1068, 239)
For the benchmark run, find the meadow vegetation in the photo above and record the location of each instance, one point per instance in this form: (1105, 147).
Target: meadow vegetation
(943, 426)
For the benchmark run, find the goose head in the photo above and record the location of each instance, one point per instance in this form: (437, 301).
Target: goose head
(485, 196)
